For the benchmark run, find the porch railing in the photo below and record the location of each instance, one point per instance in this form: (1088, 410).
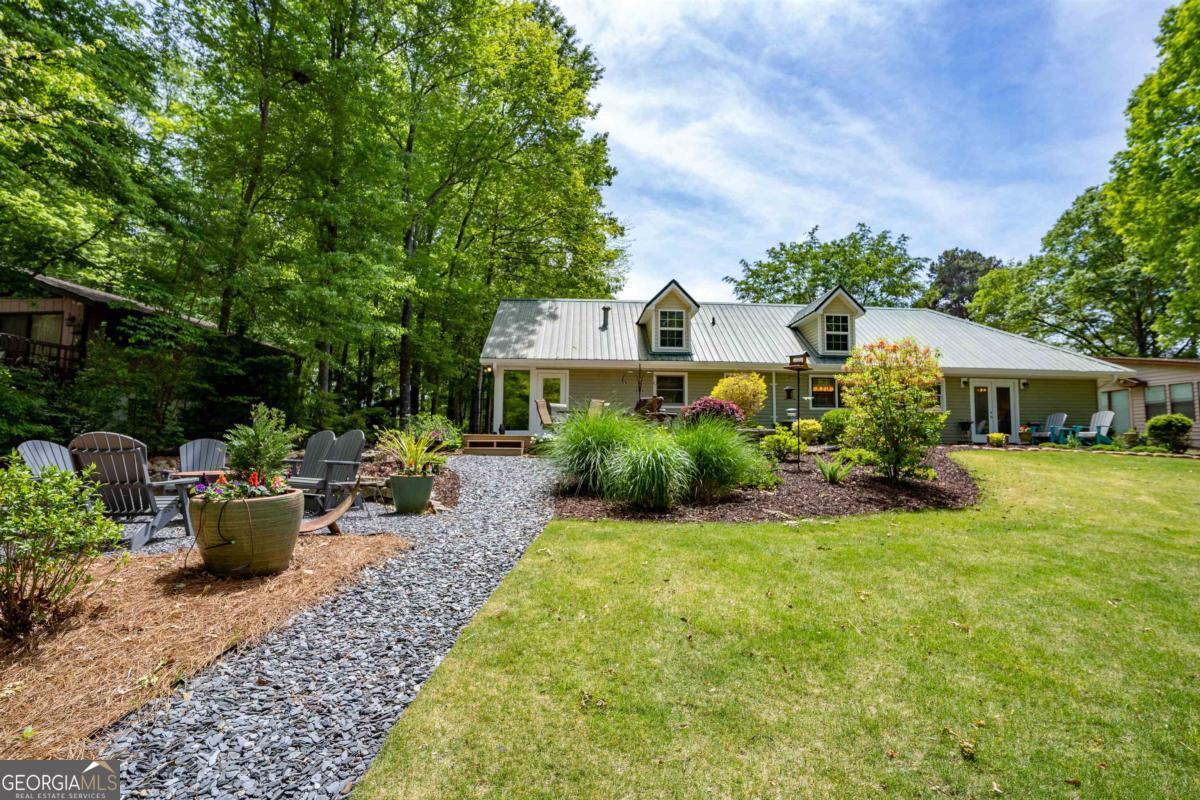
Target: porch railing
(19, 351)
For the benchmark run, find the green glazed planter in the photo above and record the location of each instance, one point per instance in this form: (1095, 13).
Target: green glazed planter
(248, 537)
(410, 493)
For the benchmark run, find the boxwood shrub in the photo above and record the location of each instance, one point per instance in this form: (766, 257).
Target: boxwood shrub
(1169, 431)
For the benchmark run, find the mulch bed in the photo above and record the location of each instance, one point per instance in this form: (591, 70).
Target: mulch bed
(804, 493)
(153, 622)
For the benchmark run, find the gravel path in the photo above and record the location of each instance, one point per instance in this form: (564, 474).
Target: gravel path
(302, 713)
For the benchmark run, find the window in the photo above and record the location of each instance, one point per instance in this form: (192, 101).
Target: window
(1156, 401)
(940, 391)
(671, 388)
(837, 333)
(39, 327)
(824, 393)
(670, 329)
(1181, 400)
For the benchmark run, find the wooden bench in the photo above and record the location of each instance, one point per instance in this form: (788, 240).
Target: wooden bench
(495, 444)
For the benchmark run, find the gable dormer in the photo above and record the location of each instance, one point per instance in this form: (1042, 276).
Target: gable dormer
(667, 319)
(828, 323)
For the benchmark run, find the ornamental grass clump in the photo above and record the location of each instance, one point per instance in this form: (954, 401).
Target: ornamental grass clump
(891, 391)
(722, 459)
(586, 440)
(51, 530)
(413, 454)
(650, 471)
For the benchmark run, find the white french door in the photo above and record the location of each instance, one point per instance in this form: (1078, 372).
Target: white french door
(551, 386)
(995, 408)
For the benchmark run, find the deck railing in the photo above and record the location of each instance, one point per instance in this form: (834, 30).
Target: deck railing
(19, 351)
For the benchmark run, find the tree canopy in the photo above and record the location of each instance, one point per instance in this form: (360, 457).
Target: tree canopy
(876, 268)
(1154, 194)
(357, 181)
(954, 279)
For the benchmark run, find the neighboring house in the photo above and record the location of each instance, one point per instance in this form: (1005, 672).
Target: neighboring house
(48, 322)
(570, 351)
(1157, 386)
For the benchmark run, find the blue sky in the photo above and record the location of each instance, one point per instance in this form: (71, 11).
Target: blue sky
(736, 125)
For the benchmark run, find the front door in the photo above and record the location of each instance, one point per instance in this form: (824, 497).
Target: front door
(552, 387)
(994, 409)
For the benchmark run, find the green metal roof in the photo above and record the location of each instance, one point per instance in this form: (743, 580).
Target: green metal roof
(758, 334)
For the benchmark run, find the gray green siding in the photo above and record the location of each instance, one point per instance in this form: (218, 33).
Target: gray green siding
(1042, 397)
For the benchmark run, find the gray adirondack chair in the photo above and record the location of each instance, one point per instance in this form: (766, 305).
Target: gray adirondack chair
(1097, 430)
(201, 454)
(312, 465)
(39, 454)
(339, 470)
(122, 474)
(1053, 423)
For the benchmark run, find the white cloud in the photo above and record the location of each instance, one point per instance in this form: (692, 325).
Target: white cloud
(736, 125)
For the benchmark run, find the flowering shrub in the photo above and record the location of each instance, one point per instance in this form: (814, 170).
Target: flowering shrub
(713, 407)
(746, 390)
(891, 391)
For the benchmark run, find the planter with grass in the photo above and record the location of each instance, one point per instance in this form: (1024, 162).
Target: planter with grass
(247, 525)
(417, 459)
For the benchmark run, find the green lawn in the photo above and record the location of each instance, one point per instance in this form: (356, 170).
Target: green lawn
(1046, 644)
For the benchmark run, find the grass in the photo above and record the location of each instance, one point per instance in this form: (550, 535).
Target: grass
(1044, 644)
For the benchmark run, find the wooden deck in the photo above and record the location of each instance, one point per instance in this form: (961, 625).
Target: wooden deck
(495, 444)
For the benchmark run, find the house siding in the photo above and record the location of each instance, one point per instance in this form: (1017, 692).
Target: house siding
(1161, 375)
(1043, 396)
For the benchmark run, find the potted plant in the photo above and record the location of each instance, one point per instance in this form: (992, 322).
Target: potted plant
(997, 439)
(246, 522)
(416, 459)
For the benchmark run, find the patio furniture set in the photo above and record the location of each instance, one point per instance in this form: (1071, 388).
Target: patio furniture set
(329, 468)
(1057, 431)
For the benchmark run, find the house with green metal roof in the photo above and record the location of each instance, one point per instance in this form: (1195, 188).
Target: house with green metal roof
(569, 352)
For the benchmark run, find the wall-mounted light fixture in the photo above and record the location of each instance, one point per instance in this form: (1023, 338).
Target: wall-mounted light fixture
(1024, 383)
(966, 383)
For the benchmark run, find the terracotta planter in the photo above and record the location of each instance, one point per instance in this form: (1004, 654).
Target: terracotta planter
(410, 493)
(248, 537)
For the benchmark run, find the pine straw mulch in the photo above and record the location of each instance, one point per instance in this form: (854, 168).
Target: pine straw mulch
(804, 493)
(151, 624)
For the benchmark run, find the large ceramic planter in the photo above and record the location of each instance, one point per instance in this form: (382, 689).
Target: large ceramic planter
(248, 537)
(410, 493)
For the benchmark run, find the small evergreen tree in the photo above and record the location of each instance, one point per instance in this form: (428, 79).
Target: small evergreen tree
(890, 389)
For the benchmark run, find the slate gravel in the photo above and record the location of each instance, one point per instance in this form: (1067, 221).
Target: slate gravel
(302, 713)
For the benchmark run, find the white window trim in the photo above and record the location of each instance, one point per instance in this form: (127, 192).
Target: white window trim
(943, 395)
(658, 329)
(837, 394)
(849, 334)
(684, 375)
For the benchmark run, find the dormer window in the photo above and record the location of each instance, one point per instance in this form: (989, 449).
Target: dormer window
(837, 333)
(670, 329)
